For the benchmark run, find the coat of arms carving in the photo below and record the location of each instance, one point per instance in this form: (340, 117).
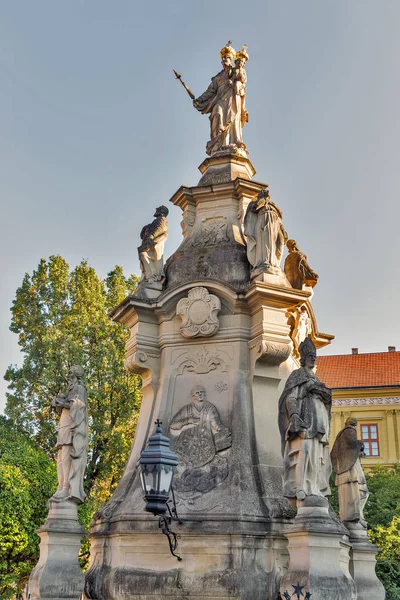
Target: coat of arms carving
(199, 313)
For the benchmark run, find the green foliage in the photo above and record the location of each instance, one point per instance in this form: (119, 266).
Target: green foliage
(61, 318)
(383, 516)
(27, 480)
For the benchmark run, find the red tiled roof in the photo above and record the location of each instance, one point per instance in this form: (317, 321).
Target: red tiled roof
(359, 370)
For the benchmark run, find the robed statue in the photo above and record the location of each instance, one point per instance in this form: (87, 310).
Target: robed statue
(304, 424)
(224, 101)
(151, 250)
(297, 269)
(350, 478)
(72, 438)
(265, 234)
(197, 438)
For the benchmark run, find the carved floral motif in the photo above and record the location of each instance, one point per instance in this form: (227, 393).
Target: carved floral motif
(199, 313)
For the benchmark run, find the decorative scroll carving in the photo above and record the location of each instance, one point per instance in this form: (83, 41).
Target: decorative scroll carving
(199, 313)
(271, 352)
(198, 436)
(365, 401)
(214, 231)
(221, 386)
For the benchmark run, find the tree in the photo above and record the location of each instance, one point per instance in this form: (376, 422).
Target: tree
(61, 318)
(383, 516)
(27, 479)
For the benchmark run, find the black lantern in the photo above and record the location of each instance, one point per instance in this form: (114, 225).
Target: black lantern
(158, 464)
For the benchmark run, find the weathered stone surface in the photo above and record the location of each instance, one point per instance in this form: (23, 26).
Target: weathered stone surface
(362, 567)
(58, 574)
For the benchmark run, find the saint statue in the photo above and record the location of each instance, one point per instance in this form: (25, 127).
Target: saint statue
(350, 478)
(151, 250)
(72, 438)
(302, 327)
(304, 424)
(297, 269)
(265, 233)
(197, 437)
(224, 101)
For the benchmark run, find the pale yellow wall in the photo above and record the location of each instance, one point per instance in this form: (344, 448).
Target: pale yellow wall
(386, 416)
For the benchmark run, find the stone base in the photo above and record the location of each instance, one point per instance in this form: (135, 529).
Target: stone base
(213, 567)
(148, 290)
(319, 558)
(225, 167)
(57, 575)
(272, 275)
(362, 566)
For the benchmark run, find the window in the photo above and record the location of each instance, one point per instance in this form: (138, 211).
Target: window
(369, 435)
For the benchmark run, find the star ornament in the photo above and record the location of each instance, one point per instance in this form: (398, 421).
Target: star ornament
(297, 591)
(286, 595)
(308, 595)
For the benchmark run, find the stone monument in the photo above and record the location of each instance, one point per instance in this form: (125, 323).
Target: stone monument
(214, 347)
(57, 575)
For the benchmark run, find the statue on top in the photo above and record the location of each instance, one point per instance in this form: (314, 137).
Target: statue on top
(151, 250)
(350, 478)
(265, 234)
(224, 101)
(297, 269)
(72, 438)
(304, 424)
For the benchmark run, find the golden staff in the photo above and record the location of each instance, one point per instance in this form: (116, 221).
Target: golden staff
(178, 76)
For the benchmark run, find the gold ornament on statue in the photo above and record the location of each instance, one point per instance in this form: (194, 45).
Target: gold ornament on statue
(228, 50)
(242, 54)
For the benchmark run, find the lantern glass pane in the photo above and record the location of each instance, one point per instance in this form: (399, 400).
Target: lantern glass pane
(165, 480)
(150, 481)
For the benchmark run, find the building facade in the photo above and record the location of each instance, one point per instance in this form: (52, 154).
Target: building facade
(366, 386)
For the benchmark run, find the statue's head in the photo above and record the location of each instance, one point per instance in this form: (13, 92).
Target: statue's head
(198, 393)
(76, 371)
(292, 246)
(351, 422)
(227, 55)
(263, 194)
(308, 353)
(161, 211)
(241, 57)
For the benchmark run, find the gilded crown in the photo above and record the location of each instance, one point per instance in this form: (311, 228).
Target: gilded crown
(228, 50)
(242, 54)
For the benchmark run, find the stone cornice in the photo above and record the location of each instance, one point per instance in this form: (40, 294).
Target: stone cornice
(366, 401)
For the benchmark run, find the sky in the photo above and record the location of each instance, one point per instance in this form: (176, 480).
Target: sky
(96, 132)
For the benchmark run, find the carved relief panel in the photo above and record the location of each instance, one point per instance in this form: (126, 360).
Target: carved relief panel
(198, 436)
(199, 313)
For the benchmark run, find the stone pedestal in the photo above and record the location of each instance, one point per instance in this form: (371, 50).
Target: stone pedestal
(319, 556)
(215, 327)
(57, 575)
(362, 566)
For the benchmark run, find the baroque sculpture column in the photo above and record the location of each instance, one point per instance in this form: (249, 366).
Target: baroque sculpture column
(215, 337)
